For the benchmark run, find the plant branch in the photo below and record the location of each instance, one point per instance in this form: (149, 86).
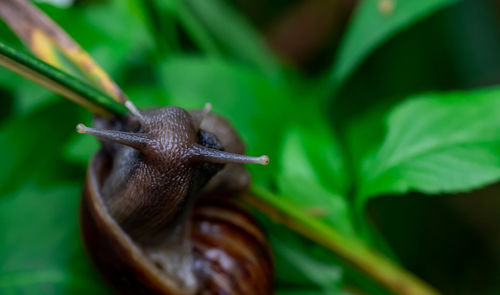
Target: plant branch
(50, 43)
(373, 264)
(57, 81)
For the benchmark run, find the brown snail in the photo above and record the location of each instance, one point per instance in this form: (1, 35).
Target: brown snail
(143, 223)
(155, 213)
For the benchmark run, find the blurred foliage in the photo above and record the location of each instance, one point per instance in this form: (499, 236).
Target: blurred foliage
(389, 117)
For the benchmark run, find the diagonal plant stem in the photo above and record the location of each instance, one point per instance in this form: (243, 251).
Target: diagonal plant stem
(59, 82)
(53, 45)
(373, 264)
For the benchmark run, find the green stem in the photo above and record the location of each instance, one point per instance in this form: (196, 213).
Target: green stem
(58, 81)
(376, 266)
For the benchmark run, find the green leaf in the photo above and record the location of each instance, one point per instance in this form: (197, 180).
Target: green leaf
(321, 144)
(372, 25)
(235, 34)
(80, 149)
(31, 97)
(437, 143)
(111, 44)
(197, 31)
(44, 254)
(146, 95)
(299, 181)
(33, 143)
(302, 264)
(160, 19)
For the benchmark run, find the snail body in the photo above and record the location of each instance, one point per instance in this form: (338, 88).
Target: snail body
(150, 223)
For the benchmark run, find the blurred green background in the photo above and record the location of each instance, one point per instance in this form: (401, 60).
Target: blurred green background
(381, 119)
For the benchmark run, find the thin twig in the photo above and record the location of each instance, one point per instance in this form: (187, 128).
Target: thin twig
(373, 264)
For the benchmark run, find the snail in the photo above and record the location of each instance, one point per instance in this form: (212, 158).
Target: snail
(156, 212)
(150, 222)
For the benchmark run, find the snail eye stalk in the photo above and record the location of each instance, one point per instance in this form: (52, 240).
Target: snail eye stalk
(136, 113)
(204, 154)
(137, 141)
